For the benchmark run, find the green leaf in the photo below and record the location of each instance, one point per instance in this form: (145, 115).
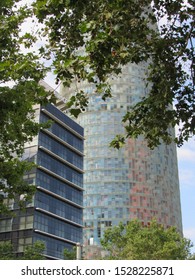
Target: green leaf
(75, 112)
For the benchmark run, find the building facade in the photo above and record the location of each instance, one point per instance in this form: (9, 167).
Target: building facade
(133, 182)
(55, 215)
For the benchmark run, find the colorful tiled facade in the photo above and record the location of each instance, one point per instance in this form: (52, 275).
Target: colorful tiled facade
(133, 182)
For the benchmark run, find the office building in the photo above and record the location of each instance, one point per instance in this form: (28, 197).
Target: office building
(55, 215)
(133, 182)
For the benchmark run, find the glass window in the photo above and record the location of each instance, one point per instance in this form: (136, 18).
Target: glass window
(62, 117)
(60, 150)
(56, 186)
(53, 246)
(59, 168)
(5, 225)
(64, 133)
(58, 207)
(26, 222)
(57, 227)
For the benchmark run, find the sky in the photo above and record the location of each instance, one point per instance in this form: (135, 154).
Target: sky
(186, 167)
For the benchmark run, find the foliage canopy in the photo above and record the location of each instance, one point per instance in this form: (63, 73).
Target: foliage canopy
(137, 242)
(20, 74)
(93, 40)
(33, 252)
(70, 254)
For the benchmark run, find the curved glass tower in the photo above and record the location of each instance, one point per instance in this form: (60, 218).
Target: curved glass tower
(134, 182)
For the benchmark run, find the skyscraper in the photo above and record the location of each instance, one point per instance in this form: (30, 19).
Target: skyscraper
(134, 182)
(55, 215)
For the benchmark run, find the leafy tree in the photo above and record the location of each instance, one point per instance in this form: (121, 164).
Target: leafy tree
(137, 242)
(6, 251)
(33, 252)
(192, 257)
(20, 74)
(92, 40)
(70, 254)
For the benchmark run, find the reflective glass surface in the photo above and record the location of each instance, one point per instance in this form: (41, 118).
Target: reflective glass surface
(53, 247)
(63, 133)
(63, 170)
(65, 119)
(57, 227)
(56, 186)
(59, 191)
(58, 207)
(60, 150)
